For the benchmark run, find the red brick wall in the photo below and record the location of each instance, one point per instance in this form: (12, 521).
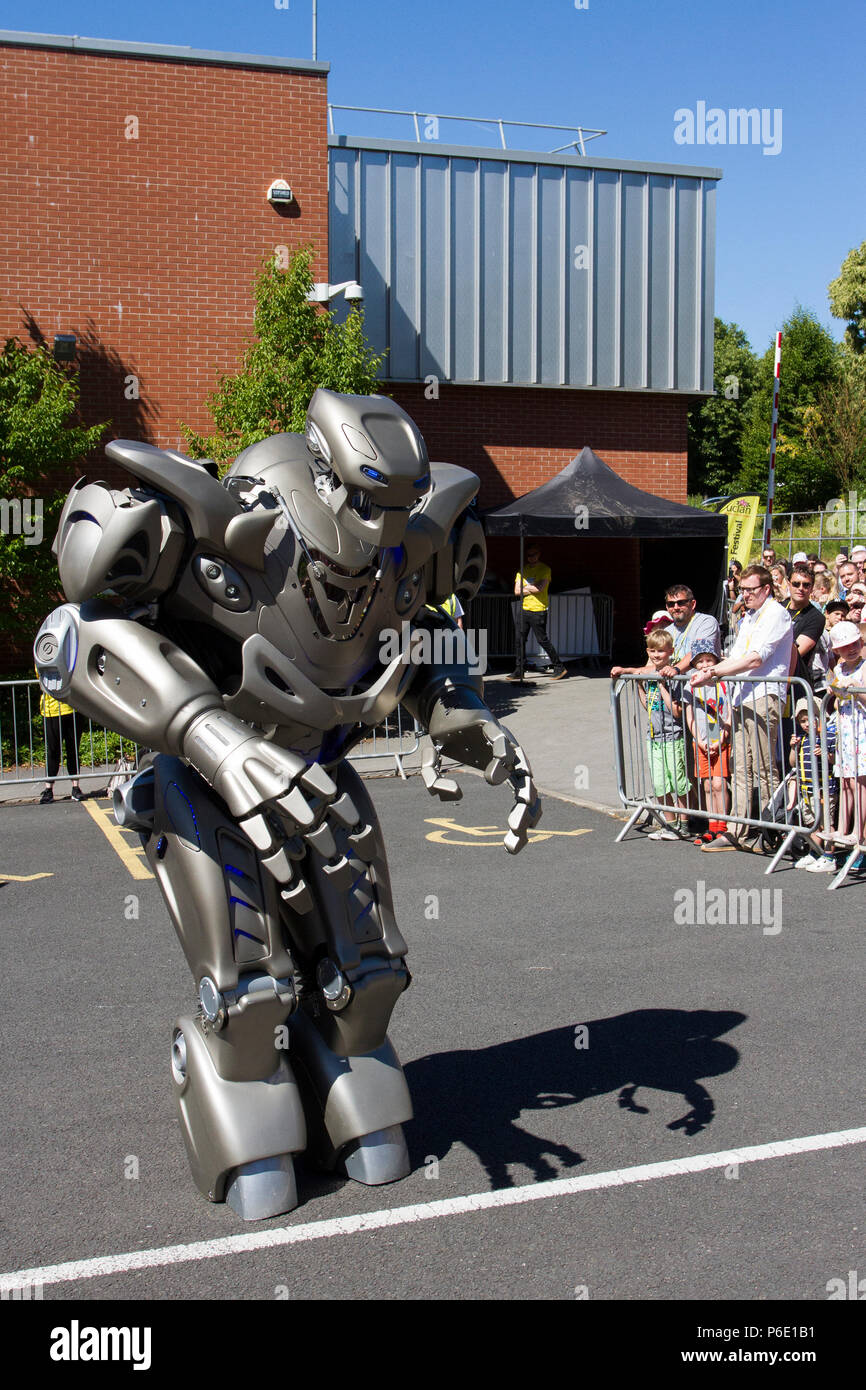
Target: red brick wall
(517, 438)
(171, 226)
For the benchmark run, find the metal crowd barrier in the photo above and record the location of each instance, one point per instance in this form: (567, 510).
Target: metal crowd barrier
(775, 800)
(580, 625)
(23, 734)
(390, 740)
(849, 739)
(22, 741)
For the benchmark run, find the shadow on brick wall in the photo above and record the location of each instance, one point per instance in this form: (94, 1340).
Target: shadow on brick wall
(111, 390)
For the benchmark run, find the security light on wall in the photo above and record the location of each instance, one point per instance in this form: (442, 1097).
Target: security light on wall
(280, 193)
(64, 347)
(323, 294)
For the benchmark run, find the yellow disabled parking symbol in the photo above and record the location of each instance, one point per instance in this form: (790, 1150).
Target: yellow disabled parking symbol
(450, 833)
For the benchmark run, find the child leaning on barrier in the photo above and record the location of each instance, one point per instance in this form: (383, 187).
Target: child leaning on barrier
(708, 716)
(845, 682)
(665, 747)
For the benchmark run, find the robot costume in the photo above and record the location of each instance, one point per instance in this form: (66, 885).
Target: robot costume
(246, 651)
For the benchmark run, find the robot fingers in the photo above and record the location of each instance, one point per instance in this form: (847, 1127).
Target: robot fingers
(502, 747)
(526, 812)
(522, 819)
(431, 774)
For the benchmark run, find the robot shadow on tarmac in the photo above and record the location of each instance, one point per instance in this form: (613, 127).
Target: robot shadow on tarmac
(475, 1098)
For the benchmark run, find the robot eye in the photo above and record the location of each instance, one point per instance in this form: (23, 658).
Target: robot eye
(373, 473)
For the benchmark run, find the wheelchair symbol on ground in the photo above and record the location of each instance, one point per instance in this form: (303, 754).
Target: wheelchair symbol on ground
(484, 836)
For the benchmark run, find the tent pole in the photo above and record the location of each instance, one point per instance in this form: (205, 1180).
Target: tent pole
(522, 634)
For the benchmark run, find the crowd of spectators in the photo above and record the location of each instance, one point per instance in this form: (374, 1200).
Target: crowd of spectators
(751, 748)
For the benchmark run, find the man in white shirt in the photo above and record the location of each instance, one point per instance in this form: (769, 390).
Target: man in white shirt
(763, 648)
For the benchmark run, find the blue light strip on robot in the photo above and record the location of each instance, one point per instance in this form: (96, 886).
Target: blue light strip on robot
(239, 873)
(191, 811)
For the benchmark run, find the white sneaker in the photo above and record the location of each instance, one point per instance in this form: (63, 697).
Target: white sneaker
(663, 835)
(806, 862)
(825, 865)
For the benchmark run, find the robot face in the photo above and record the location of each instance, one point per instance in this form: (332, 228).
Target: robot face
(373, 462)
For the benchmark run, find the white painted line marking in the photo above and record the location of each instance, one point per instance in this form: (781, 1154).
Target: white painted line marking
(424, 1211)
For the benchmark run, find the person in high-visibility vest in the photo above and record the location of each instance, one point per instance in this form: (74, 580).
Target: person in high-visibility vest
(532, 588)
(451, 607)
(60, 728)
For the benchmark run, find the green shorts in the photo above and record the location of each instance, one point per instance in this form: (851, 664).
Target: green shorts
(667, 760)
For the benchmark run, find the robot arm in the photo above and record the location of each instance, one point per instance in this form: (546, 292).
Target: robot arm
(122, 674)
(446, 699)
(137, 682)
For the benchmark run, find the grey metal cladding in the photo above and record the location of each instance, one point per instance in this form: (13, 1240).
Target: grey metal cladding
(507, 268)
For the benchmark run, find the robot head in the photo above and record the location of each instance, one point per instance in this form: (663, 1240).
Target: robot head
(372, 464)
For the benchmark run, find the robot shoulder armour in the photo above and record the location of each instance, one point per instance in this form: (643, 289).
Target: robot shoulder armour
(123, 541)
(448, 525)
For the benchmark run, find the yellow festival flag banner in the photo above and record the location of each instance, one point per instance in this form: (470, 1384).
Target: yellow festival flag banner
(742, 513)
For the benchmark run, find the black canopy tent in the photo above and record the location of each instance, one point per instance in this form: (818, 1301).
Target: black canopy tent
(588, 499)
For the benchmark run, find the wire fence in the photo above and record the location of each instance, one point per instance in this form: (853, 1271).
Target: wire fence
(823, 533)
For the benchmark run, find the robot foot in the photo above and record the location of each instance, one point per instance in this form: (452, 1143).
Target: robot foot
(263, 1188)
(378, 1157)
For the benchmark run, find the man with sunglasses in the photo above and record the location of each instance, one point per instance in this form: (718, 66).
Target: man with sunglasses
(688, 628)
(763, 648)
(808, 623)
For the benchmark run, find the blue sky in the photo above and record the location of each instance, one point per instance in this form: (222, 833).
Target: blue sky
(785, 220)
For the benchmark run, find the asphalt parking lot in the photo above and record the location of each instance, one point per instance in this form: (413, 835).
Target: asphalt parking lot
(691, 1091)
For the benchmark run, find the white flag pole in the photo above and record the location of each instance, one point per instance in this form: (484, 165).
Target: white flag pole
(771, 484)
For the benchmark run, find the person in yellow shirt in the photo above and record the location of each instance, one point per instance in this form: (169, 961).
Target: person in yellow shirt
(533, 587)
(59, 724)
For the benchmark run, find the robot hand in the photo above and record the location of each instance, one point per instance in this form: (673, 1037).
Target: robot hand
(282, 804)
(484, 743)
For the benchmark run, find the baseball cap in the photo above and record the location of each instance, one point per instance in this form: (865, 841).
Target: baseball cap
(844, 635)
(800, 557)
(859, 552)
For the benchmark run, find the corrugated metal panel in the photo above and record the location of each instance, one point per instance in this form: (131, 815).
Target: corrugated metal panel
(528, 270)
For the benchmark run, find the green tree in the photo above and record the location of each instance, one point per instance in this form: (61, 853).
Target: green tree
(295, 348)
(805, 475)
(716, 425)
(836, 425)
(38, 398)
(848, 297)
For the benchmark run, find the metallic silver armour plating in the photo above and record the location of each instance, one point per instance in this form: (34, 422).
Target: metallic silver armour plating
(236, 628)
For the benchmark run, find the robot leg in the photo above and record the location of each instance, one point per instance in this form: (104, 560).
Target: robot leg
(354, 1088)
(240, 1108)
